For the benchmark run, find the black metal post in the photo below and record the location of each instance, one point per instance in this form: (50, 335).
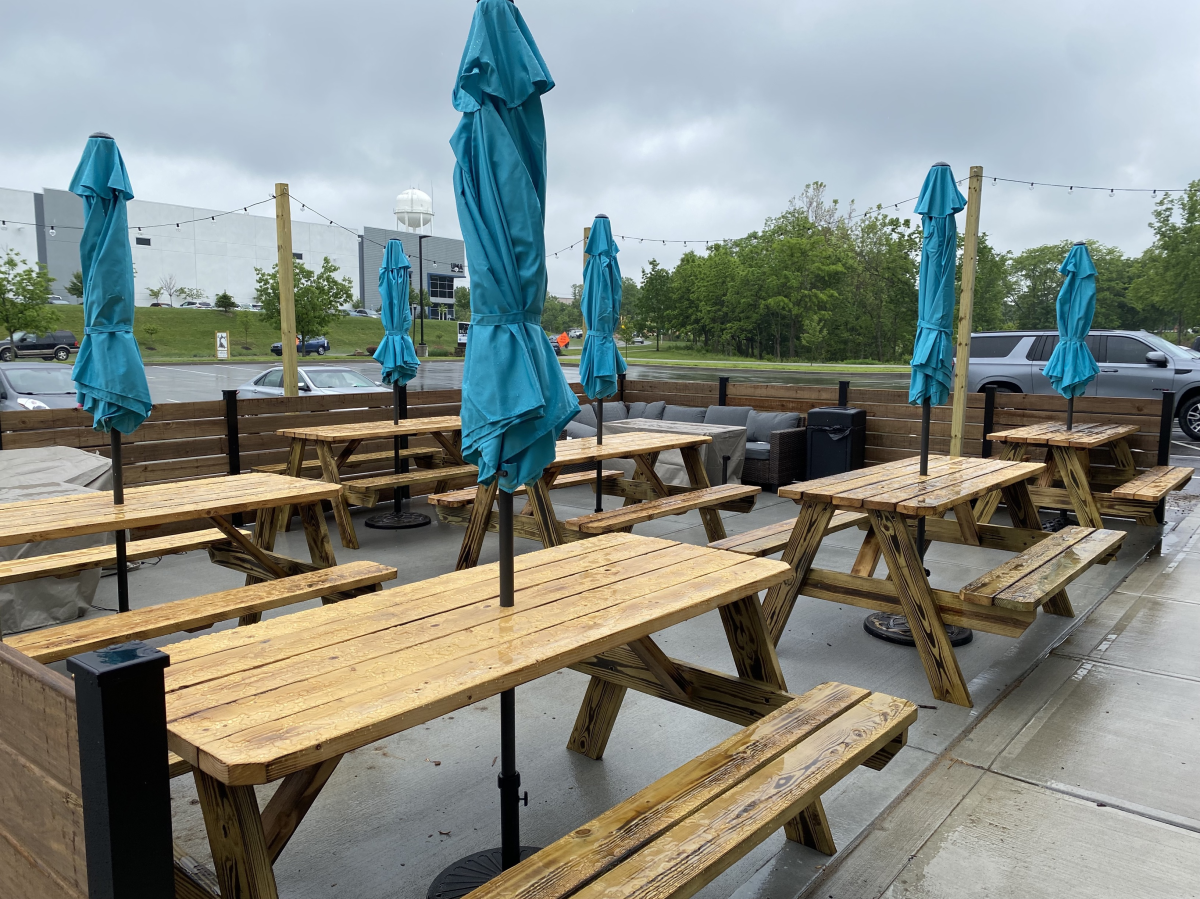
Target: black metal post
(122, 714)
(233, 446)
(1070, 411)
(509, 779)
(118, 479)
(924, 470)
(1166, 427)
(722, 390)
(724, 470)
(843, 393)
(621, 387)
(398, 519)
(989, 416)
(421, 277)
(599, 464)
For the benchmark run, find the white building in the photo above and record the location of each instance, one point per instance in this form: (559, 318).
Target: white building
(17, 206)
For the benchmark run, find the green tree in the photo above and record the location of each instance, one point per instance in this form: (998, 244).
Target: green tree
(462, 303)
(225, 302)
(24, 297)
(75, 286)
(168, 288)
(653, 307)
(317, 296)
(189, 294)
(245, 323)
(148, 331)
(1169, 279)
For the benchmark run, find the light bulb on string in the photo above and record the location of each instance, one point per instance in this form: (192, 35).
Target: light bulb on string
(52, 231)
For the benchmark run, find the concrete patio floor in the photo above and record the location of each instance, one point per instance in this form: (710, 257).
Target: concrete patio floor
(1097, 709)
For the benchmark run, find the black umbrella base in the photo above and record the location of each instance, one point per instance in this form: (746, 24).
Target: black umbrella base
(895, 629)
(471, 872)
(397, 521)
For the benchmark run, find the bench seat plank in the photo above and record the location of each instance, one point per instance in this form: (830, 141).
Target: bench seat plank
(358, 460)
(1153, 485)
(615, 519)
(455, 499)
(56, 643)
(773, 538)
(365, 491)
(681, 831)
(69, 563)
(1041, 571)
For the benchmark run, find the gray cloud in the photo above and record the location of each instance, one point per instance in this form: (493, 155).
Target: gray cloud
(679, 119)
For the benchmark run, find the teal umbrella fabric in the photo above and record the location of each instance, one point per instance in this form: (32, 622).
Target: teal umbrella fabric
(110, 380)
(1071, 367)
(601, 362)
(933, 350)
(515, 399)
(396, 352)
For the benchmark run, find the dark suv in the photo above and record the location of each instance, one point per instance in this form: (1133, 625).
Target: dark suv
(55, 345)
(1132, 363)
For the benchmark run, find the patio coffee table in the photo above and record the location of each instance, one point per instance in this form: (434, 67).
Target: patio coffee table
(894, 496)
(446, 430)
(1068, 457)
(287, 698)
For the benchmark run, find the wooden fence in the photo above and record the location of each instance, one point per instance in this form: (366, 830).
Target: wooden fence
(182, 441)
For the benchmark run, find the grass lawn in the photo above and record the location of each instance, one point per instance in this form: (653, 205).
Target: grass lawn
(187, 334)
(682, 354)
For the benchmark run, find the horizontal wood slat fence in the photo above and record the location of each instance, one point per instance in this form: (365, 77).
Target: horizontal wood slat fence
(181, 441)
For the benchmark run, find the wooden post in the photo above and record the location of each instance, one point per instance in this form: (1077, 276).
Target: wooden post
(587, 233)
(287, 287)
(958, 415)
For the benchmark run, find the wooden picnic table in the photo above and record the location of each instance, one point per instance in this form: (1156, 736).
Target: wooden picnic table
(538, 521)
(446, 430)
(34, 521)
(894, 495)
(287, 698)
(1068, 457)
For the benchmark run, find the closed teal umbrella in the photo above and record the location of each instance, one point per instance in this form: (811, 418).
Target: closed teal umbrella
(1071, 367)
(601, 362)
(396, 352)
(110, 379)
(109, 376)
(933, 350)
(515, 399)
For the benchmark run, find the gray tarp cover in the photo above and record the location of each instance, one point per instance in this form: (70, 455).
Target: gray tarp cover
(29, 474)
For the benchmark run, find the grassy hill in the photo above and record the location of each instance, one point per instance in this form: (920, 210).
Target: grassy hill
(183, 334)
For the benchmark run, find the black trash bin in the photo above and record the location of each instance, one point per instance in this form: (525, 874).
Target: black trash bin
(837, 440)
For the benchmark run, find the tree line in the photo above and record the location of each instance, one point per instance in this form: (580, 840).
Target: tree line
(822, 283)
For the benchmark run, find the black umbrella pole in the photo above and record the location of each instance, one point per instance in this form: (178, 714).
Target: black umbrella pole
(925, 415)
(599, 464)
(118, 478)
(1070, 411)
(509, 779)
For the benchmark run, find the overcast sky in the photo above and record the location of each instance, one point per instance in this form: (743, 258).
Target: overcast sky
(681, 119)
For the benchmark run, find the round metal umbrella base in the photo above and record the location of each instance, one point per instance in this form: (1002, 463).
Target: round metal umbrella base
(471, 872)
(397, 521)
(895, 629)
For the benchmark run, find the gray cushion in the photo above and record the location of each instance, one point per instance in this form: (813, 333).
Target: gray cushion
(575, 430)
(683, 413)
(586, 416)
(647, 411)
(761, 424)
(614, 410)
(758, 451)
(733, 416)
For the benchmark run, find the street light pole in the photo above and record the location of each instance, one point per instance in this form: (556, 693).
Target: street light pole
(421, 287)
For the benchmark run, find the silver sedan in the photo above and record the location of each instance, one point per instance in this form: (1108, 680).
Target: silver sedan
(324, 379)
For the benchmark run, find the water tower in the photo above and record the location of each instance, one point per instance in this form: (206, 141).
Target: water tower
(414, 211)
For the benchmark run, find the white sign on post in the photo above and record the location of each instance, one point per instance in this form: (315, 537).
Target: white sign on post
(222, 344)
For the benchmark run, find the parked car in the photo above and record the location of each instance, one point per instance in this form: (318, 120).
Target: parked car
(639, 340)
(55, 345)
(575, 333)
(1132, 363)
(32, 385)
(554, 345)
(158, 304)
(321, 379)
(190, 304)
(55, 300)
(363, 313)
(318, 345)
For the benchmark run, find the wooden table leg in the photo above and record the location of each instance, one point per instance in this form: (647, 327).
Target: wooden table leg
(278, 519)
(235, 834)
(985, 506)
(320, 547)
(1075, 478)
(1025, 515)
(800, 551)
(543, 513)
(481, 512)
(644, 471)
(291, 803)
(714, 528)
(1123, 459)
(451, 448)
(341, 509)
(597, 715)
(867, 559)
(346, 453)
(912, 589)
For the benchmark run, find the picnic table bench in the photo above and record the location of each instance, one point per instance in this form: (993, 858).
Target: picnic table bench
(894, 496)
(1068, 459)
(645, 495)
(286, 698)
(365, 491)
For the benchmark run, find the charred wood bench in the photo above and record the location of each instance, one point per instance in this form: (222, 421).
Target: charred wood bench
(773, 538)
(623, 519)
(679, 833)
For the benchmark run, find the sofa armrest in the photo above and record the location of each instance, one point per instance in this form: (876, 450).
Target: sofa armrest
(788, 451)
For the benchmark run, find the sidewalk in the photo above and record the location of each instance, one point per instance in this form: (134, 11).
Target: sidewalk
(1083, 781)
